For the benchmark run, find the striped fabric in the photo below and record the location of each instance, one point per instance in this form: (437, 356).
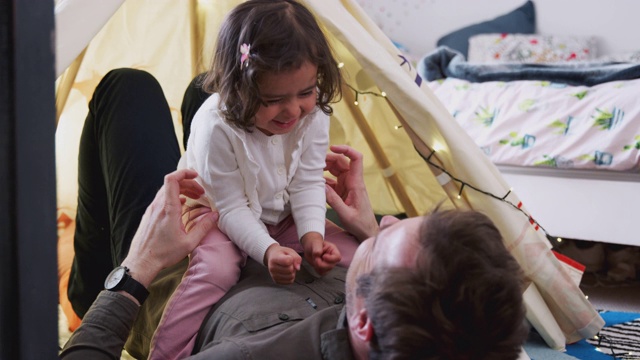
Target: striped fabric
(622, 341)
(619, 339)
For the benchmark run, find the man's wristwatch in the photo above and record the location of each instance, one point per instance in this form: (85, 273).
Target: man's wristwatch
(119, 279)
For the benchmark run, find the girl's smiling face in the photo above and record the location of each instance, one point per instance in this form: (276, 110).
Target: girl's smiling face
(288, 97)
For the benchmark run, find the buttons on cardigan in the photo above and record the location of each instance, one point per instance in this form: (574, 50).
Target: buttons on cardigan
(274, 140)
(280, 170)
(279, 195)
(283, 317)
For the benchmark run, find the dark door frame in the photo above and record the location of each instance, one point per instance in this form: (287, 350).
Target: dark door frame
(28, 231)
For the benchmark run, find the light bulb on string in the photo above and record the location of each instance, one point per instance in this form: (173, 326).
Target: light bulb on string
(460, 193)
(438, 147)
(507, 194)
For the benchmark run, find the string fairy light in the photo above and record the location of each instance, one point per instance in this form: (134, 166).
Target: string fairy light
(460, 192)
(463, 184)
(438, 147)
(507, 194)
(604, 342)
(358, 93)
(503, 199)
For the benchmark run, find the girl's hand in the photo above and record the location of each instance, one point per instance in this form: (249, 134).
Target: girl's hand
(322, 255)
(282, 262)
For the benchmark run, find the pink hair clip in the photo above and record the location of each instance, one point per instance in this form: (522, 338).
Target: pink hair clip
(244, 50)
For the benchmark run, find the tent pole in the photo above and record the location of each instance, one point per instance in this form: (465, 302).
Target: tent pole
(66, 83)
(450, 187)
(196, 50)
(381, 158)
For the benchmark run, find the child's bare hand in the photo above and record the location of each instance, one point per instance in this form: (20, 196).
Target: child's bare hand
(282, 262)
(322, 255)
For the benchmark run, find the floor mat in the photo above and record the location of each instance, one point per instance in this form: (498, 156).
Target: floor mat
(619, 339)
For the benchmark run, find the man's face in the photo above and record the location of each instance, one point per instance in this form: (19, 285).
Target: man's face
(395, 245)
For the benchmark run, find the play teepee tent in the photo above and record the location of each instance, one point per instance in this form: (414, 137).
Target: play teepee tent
(386, 113)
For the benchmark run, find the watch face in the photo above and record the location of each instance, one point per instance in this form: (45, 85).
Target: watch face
(114, 278)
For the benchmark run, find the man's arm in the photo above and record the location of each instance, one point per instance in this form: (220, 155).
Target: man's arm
(159, 242)
(347, 194)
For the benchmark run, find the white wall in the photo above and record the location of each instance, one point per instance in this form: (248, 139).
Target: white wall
(417, 24)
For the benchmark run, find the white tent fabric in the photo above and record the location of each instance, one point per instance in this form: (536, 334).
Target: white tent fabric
(154, 35)
(77, 22)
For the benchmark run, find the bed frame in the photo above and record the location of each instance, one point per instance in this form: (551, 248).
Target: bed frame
(580, 204)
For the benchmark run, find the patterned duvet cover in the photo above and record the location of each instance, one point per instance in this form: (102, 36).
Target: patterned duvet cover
(542, 123)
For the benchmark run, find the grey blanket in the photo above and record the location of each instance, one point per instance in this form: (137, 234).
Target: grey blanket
(445, 62)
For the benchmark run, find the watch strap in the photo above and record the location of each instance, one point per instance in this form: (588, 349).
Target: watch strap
(128, 284)
(135, 289)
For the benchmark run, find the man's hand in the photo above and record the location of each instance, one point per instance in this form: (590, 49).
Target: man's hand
(347, 194)
(283, 263)
(322, 255)
(161, 239)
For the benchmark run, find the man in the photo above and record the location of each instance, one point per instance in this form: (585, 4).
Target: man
(439, 286)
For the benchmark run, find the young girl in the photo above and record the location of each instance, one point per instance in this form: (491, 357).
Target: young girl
(259, 144)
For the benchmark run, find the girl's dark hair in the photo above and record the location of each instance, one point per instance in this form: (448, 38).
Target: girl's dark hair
(283, 34)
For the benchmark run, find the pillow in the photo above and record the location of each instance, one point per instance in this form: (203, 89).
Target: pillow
(500, 48)
(521, 20)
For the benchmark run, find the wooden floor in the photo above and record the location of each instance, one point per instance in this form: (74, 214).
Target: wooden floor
(607, 289)
(614, 296)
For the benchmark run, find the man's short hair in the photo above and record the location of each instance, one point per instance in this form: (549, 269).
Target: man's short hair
(463, 300)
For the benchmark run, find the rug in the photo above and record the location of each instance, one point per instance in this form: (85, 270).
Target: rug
(619, 339)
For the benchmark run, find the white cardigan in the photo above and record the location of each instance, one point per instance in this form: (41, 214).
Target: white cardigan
(235, 177)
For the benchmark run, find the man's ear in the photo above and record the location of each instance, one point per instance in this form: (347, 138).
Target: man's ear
(364, 328)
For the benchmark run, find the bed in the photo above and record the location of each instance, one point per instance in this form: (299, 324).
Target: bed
(552, 104)
(567, 137)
